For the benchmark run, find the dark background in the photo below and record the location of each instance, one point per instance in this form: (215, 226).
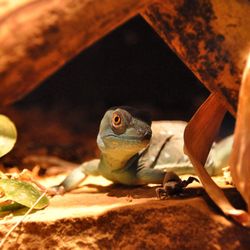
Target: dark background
(130, 66)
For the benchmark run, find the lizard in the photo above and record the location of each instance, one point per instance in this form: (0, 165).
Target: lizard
(136, 151)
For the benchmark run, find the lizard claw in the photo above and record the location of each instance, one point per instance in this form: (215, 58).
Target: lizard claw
(190, 179)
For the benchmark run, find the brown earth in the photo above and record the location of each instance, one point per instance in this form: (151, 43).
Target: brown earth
(105, 216)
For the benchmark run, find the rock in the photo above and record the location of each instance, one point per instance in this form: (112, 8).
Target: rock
(105, 216)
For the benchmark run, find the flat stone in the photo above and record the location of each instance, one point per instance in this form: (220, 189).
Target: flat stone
(104, 216)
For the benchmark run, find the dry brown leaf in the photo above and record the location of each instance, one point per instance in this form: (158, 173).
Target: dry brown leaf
(199, 136)
(240, 157)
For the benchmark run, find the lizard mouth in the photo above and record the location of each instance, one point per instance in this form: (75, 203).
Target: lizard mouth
(146, 136)
(128, 138)
(121, 142)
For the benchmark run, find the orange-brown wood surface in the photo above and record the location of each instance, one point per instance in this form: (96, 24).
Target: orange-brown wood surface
(211, 38)
(37, 37)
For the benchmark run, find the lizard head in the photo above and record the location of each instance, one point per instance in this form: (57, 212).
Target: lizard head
(124, 131)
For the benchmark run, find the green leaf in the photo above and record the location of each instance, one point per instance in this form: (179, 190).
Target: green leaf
(8, 135)
(11, 207)
(23, 193)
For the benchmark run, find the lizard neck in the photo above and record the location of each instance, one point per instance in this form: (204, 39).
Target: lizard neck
(115, 161)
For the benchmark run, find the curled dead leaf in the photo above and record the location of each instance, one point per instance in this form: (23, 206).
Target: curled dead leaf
(240, 157)
(199, 136)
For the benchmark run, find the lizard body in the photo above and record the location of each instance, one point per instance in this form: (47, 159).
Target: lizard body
(135, 153)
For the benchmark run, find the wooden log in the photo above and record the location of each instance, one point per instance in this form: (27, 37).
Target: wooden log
(210, 36)
(39, 36)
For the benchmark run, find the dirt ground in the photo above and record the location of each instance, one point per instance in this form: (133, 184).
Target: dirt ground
(101, 215)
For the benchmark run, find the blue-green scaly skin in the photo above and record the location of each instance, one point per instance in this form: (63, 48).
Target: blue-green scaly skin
(130, 156)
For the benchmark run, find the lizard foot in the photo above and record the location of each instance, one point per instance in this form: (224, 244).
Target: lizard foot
(56, 190)
(173, 185)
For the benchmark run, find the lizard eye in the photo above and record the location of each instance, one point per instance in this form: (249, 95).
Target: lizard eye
(116, 120)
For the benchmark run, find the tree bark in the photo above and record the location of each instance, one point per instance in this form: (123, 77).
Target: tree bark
(210, 36)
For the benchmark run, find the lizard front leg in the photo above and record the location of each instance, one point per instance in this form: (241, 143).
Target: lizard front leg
(173, 185)
(78, 175)
(150, 176)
